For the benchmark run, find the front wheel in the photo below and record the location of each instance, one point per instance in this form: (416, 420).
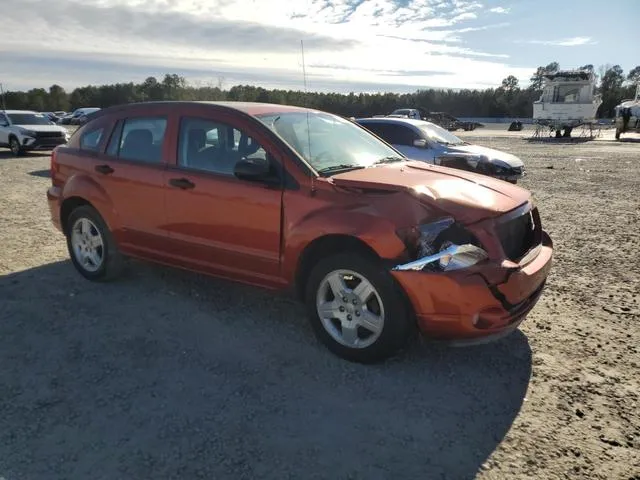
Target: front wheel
(15, 147)
(356, 309)
(91, 246)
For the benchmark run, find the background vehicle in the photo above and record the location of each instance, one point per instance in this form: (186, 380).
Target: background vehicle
(78, 116)
(628, 115)
(449, 122)
(290, 198)
(421, 140)
(407, 113)
(24, 130)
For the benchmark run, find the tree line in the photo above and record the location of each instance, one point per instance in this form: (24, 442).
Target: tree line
(508, 100)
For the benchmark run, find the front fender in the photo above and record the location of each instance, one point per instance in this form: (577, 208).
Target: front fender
(376, 232)
(84, 187)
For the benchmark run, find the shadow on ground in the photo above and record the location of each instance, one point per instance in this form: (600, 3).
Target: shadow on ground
(169, 374)
(7, 155)
(41, 173)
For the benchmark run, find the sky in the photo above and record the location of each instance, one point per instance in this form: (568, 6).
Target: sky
(349, 45)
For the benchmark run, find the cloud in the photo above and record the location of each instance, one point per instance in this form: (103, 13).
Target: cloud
(120, 22)
(481, 28)
(566, 42)
(348, 44)
(464, 16)
(501, 10)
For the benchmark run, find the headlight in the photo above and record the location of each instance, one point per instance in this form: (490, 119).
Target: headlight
(442, 245)
(454, 257)
(501, 168)
(28, 133)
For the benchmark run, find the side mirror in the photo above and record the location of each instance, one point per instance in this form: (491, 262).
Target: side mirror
(4, 124)
(420, 143)
(252, 171)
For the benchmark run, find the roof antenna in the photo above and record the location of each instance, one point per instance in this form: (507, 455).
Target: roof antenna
(306, 101)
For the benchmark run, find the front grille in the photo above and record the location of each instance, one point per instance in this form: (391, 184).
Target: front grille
(49, 134)
(519, 235)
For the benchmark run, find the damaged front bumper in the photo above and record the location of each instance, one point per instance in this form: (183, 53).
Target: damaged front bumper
(482, 165)
(480, 303)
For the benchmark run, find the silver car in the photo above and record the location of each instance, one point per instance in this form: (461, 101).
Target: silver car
(425, 141)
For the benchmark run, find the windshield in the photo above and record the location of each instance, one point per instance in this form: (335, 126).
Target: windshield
(439, 134)
(29, 119)
(329, 142)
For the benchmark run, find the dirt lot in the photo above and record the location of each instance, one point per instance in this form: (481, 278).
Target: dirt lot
(166, 374)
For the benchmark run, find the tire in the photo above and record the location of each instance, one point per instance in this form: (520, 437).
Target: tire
(111, 261)
(386, 302)
(14, 146)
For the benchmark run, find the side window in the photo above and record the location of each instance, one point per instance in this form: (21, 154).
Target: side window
(138, 139)
(402, 135)
(114, 141)
(377, 129)
(389, 132)
(90, 140)
(216, 147)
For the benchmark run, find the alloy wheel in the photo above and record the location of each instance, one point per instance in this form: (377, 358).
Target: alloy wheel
(87, 244)
(350, 308)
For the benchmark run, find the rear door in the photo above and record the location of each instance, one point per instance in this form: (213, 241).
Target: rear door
(217, 221)
(131, 172)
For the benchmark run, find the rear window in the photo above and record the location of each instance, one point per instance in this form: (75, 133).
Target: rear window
(90, 140)
(139, 139)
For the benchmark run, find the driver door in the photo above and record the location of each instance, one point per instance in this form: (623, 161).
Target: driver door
(216, 221)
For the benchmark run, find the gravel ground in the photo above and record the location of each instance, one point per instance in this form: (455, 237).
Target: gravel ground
(168, 374)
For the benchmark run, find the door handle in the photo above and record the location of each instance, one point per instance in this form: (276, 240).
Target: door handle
(182, 183)
(105, 169)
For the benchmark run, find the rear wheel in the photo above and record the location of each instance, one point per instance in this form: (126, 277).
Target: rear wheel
(91, 246)
(356, 309)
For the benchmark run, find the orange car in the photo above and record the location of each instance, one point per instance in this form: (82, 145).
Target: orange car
(291, 198)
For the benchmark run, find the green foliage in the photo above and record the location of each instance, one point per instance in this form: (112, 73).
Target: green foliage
(611, 89)
(634, 76)
(507, 101)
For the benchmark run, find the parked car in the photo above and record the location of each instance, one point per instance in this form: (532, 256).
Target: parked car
(82, 117)
(74, 117)
(295, 199)
(425, 141)
(449, 122)
(24, 130)
(406, 113)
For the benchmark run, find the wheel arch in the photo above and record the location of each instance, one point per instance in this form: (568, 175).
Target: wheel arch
(68, 206)
(81, 189)
(324, 246)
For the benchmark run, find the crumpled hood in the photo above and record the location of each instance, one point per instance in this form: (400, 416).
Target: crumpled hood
(493, 155)
(42, 128)
(468, 197)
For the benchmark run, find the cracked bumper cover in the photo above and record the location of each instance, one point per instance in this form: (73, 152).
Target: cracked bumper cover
(479, 303)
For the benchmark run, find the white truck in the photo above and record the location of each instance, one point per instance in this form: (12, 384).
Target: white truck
(24, 130)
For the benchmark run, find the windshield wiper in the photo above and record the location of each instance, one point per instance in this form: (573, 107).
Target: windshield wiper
(391, 159)
(341, 167)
